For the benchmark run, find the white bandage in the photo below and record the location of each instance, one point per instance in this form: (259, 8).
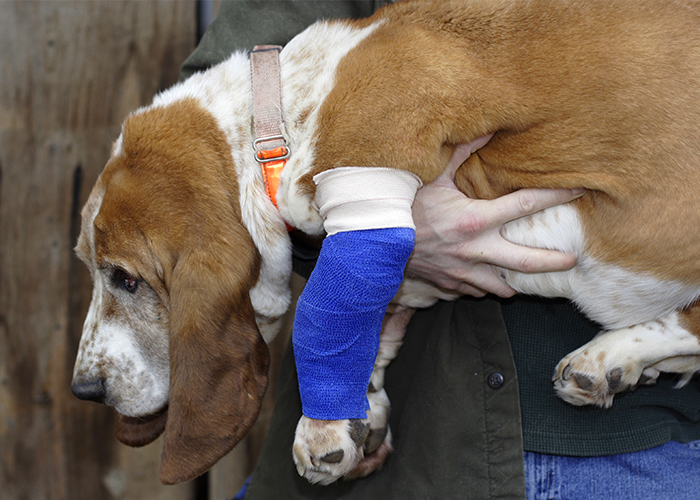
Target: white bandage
(357, 198)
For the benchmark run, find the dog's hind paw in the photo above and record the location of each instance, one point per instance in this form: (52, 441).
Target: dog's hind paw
(595, 373)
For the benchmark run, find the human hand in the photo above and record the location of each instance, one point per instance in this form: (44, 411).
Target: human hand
(458, 239)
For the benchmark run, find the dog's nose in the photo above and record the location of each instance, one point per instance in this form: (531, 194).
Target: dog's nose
(90, 391)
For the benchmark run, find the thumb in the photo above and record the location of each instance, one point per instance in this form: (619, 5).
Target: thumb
(462, 152)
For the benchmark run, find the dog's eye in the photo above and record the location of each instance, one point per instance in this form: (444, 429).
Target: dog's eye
(125, 281)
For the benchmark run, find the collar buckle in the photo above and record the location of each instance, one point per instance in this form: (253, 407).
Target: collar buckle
(275, 154)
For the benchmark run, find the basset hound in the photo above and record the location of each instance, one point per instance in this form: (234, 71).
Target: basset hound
(191, 258)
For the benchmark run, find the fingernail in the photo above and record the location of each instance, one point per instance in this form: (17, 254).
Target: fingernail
(578, 192)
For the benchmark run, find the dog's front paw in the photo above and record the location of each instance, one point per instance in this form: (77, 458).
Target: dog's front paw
(594, 375)
(326, 450)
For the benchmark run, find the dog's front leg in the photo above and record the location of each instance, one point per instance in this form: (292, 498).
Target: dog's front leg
(339, 318)
(327, 450)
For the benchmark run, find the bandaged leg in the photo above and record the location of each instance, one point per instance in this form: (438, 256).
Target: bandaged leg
(339, 317)
(367, 215)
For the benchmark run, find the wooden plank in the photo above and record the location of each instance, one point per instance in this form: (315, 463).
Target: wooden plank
(71, 71)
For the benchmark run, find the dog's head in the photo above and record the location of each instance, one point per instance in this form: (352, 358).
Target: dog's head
(170, 339)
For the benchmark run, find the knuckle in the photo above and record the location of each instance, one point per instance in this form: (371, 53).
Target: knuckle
(448, 283)
(527, 202)
(472, 223)
(526, 264)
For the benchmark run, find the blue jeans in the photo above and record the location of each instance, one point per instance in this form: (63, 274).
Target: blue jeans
(667, 472)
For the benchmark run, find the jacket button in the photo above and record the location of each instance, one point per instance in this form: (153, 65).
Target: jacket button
(495, 380)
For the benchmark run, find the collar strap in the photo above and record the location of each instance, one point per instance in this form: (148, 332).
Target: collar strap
(270, 146)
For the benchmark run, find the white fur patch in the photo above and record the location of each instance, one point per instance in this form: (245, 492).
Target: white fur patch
(611, 295)
(648, 342)
(136, 377)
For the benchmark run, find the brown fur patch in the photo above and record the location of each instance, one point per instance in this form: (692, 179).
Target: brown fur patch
(690, 319)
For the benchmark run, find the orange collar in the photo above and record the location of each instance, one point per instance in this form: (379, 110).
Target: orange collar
(270, 146)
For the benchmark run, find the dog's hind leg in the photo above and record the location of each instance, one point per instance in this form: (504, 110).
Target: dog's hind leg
(622, 359)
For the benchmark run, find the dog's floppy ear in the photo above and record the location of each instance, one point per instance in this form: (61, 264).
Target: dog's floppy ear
(218, 359)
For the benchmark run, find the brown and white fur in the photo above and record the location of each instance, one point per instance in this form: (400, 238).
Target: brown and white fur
(191, 260)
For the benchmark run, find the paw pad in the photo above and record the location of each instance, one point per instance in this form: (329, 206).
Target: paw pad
(614, 379)
(359, 430)
(333, 458)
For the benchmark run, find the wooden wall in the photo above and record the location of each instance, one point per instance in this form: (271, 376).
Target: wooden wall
(70, 72)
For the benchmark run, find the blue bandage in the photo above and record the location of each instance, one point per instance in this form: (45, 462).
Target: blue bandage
(339, 318)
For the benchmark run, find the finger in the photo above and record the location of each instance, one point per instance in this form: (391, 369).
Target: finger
(496, 287)
(530, 260)
(467, 289)
(529, 201)
(482, 279)
(464, 151)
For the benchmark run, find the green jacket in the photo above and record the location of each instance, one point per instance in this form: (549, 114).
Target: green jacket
(457, 434)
